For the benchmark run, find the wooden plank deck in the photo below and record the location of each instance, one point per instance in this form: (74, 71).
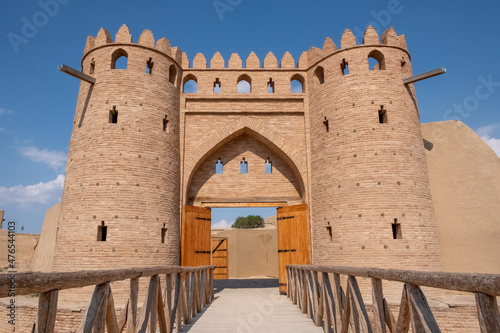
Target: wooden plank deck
(250, 305)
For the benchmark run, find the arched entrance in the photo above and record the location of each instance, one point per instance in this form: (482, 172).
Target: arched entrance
(246, 171)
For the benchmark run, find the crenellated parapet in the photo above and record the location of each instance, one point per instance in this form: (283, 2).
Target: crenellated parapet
(307, 59)
(146, 40)
(252, 62)
(348, 41)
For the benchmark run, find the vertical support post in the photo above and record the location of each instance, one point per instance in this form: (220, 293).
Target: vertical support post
(378, 305)
(339, 301)
(487, 312)
(132, 309)
(167, 301)
(47, 310)
(304, 301)
(212, 284)
(318, 300)
(179, 301)
(111, 322)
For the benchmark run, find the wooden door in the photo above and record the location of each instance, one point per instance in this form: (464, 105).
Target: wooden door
(293, 239)
(220, 257)
(196, 229)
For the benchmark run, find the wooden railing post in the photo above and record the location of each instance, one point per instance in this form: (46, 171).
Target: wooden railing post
(212, 289)
(487, 312)
(329, 315)
(422, 317)
(111, 321)
(99, 296)
(148, 311)
(167, 301)
(339, 301)
(378, 306)
(179, 302)
(208, 293)
(132, 308)
(160, 310)
(47, 310)
(305, 303)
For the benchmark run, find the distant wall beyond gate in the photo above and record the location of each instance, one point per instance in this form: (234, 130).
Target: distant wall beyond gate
(252, 252)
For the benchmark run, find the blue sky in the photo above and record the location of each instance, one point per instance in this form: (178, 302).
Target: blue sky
(37, 102)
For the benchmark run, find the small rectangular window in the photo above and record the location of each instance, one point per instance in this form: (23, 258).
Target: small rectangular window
(243, 166)
(344, 67)
(396, 230)
(165, 123)
(270, 86)
(219, 167)
(217, 86)
(113, 115)
(163, 233)
(149, 66)
(382, 115)
(330, 232)
(269, 166)
(102, 232)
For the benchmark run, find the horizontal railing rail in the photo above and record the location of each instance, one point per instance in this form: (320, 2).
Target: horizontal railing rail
(186, 291)
(338, 309)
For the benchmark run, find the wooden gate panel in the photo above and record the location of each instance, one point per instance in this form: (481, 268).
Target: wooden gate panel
(196, 243)
(293, 239)
(220, 257)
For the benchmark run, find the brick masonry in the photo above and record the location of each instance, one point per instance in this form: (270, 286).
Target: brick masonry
(326, 144)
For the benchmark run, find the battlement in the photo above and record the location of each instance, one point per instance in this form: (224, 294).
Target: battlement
(307, 58)
(123, 36)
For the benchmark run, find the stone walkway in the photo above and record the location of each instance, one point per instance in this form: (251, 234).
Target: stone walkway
(249, 306)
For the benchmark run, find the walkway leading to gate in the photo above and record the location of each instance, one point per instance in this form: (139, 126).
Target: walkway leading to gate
(188, 299)
(248, 306)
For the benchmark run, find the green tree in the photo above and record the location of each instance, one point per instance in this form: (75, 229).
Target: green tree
(249, 222)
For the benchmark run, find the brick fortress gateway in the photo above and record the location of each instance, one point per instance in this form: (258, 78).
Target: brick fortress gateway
(349, 146)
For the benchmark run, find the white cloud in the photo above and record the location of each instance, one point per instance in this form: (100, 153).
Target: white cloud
(41, 193)
(53, 158)
(5, 111)
(221, 224)
(493, 143)
(486, 133)
(486, 130)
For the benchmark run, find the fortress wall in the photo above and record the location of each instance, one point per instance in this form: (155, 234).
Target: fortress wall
(125, 174)
(365, 174)
(211, 120)
(25, 245)
(44, 253)
(464, 175)
(231, 186)
(252, 252)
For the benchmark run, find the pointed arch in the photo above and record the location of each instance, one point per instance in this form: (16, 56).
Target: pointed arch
(190, 84)
(271, 139)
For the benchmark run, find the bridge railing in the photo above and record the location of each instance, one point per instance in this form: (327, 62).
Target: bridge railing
(187, 290)
(341, 310)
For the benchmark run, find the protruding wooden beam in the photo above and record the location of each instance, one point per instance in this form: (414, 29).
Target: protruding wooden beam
(77, 74)
(424, 76)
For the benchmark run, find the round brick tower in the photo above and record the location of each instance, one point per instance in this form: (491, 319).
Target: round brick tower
(120, 204)
(371, 201)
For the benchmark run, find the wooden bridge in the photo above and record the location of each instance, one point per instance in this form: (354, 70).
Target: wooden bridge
(329, 296)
